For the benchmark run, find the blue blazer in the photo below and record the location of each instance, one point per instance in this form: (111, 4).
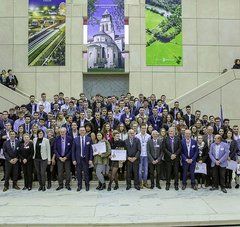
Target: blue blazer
(124, 116)
(156, 124)
(58, 147)
(76, 149)
(223, 154)
(193, 151)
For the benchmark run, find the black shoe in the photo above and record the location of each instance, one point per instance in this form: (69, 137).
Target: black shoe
(237, 186)
(176, 188)
(5, 189)
(43, 189)
(59, 188)
(213, 189)
(99, 185)
(159, 187)
(40, 188)
(116, 187)
(137, 188)
(102, 187)
(25, 188)
(79, 189)
(128, 187)
(167, 187)
(68, 188)
(152, 186)
(29, 189)
(49, 185)
(194, 187)
(16, 187)
(224, 190)
(183, 187)
(109, 188)
(87, 188)
(3, 179)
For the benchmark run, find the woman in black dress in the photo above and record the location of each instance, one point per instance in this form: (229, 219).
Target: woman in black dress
(119, 145)
(26, 152)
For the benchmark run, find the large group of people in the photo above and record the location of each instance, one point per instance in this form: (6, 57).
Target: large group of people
(48, 141)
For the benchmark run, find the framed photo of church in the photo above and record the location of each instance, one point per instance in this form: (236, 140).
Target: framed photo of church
(106, 41)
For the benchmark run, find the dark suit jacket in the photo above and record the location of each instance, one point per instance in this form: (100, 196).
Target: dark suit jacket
(202, 153)
(133, 150)
(189, 123)
(155, 122)
(76, 150)
(193, 151)
(172, 112)
(2, 123)
(114, 124)
(233, 150)
(154, 153)
(29, 107)
(26, 152)
(58, 147)
(96, 127)
(124, 116)
(168, 150)
(8, 152)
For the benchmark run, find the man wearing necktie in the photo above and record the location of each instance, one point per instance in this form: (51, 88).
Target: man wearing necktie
(63, 152)
(189, 156)
(82, 157)
(172, 151)
(10, 151)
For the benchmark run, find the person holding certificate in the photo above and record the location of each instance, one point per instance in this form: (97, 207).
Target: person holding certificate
(133, 146)
(119, 145)
(155, 154)
(101, 160)
(219, 155)
(233, 148)
(201, 158)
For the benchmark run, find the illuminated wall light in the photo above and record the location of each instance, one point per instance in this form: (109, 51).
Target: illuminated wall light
(126, 28)
(85, 30)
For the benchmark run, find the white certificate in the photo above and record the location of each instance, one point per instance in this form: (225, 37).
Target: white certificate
(238, 169)
(201, 168)
(118, 155)
(99, 148)
(232, 165)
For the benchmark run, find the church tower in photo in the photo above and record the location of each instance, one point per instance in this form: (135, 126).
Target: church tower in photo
(106, 24)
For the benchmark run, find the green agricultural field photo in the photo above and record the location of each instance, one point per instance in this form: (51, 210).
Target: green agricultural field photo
(163, 33)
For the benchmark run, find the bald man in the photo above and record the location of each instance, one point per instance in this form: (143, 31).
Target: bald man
(189, 156)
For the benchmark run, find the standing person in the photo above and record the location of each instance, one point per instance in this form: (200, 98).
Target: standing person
(11, 154)
(26, 152)
(115, 165)
(202, 157)
(133, 146)
(236, 137)
(82, 157)
(218, 154)
(42, 158)
(143, 165)
(189, 156)
(101, 162)
(155, 154)
(233, 148)
(172, 152)
(63, 153)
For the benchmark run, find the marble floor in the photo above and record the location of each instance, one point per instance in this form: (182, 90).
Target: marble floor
(142, 208)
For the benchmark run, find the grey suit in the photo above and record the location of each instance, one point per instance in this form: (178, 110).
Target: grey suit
(155, 152)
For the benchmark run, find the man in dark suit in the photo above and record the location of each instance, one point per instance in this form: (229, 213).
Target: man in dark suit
(112, 121)
(27, 125)
(127, 114)
(189, 117)
(97, 123)
(10, 151)
(172, 152)
(175, 110)
(189, 156)
(32, 106)
(155, 120)
(155, 154)
(82, 157)
(133, 146)
(63, 151)
(82, 120)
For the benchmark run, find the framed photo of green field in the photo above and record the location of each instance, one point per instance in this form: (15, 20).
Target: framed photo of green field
(46, 32)
(163, 32)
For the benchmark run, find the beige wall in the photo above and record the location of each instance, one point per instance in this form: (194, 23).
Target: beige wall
(211, 31)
